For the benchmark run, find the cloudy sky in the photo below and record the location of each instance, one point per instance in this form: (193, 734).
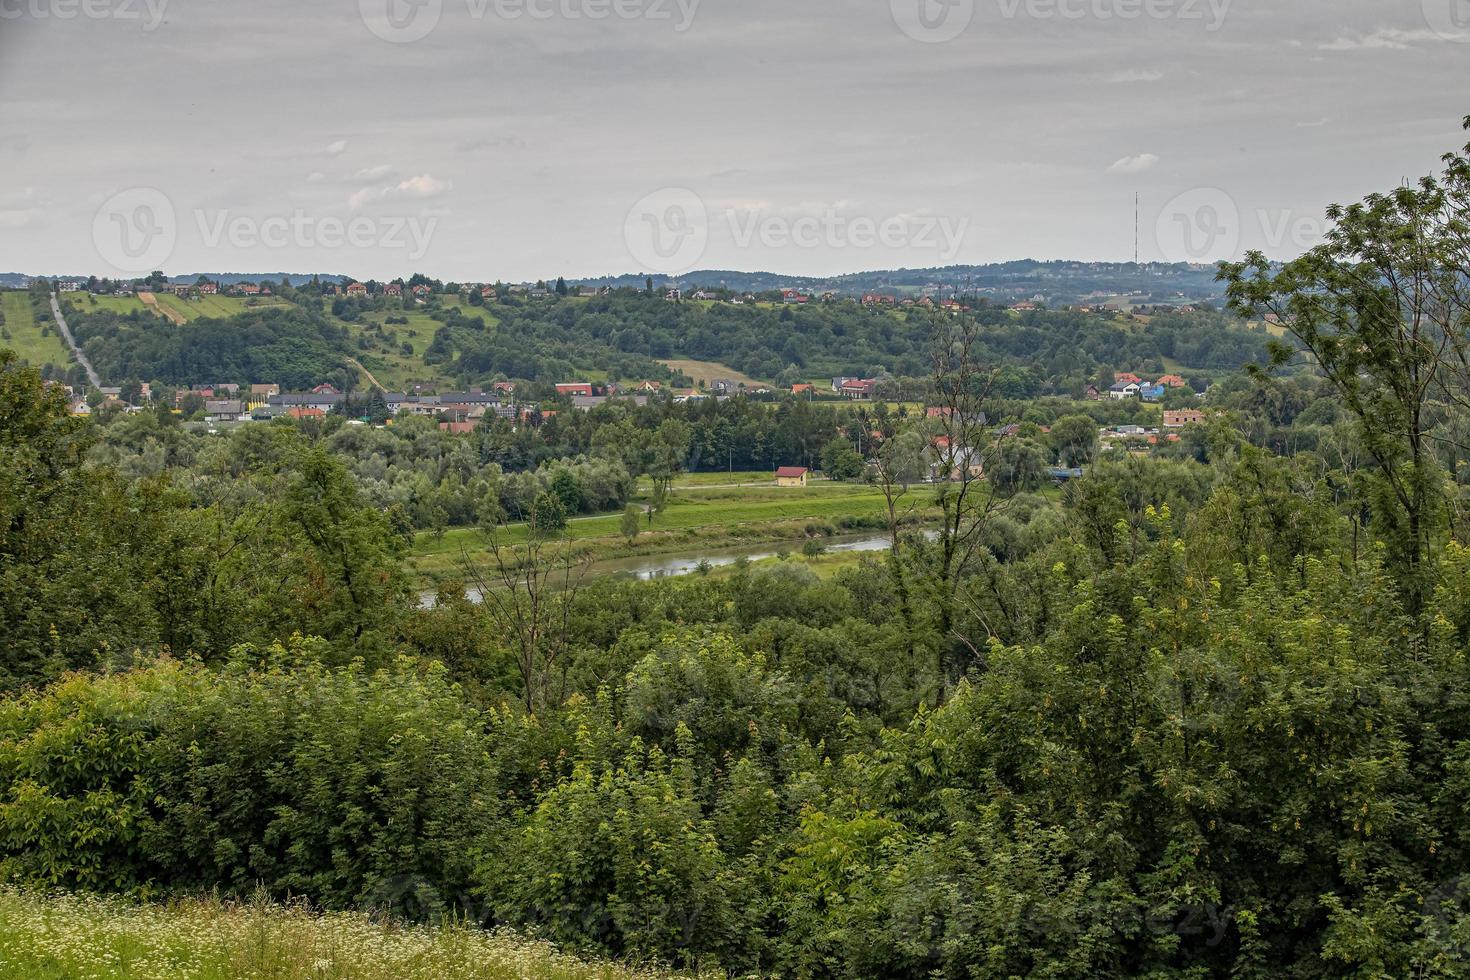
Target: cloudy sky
(522, 139)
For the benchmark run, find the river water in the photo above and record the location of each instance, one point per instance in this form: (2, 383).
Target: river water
(646, 569)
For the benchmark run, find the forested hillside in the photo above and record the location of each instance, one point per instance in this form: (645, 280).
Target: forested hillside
(622, 336)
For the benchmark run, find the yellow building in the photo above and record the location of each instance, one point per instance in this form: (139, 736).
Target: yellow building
(792, 476)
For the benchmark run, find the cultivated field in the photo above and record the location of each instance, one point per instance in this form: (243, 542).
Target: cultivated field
(167, 312)
(79, 937)
(707, 371)
(23, 335)
(218, 307)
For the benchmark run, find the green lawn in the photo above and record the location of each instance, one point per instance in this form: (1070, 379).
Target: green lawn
(25, 336)
(65, 937)
(714, 509)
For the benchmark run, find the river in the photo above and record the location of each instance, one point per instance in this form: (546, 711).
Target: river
(646, 569)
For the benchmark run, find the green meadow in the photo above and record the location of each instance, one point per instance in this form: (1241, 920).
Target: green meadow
(24, 335)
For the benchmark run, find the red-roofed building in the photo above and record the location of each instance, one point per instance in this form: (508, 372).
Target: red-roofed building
(1127, 378)
(1172, 381)
(356, 289)
(792, 476)
(575, 388)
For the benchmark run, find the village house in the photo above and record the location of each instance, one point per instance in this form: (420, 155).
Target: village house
(582, 388)
(304, 412)
(792, 476)
(793, 296)
(356, 289)
(1123, 390)
(804, 389)
(422, 291)
(264, 390)
(225, 410)
(393, 289)
(857, 389)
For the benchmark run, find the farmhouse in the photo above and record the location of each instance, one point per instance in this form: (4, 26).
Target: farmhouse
(792, 476)
(356, 289)
(858, 389)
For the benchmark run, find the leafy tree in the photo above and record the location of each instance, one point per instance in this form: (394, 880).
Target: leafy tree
(840, 461)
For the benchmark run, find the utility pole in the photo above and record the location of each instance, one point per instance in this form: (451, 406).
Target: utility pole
(1135, 228)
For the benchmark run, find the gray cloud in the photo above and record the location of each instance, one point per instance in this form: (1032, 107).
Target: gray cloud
(530, 139)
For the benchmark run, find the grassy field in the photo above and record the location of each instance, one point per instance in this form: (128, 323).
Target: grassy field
(696, 517)
(707, 371)
(25, 337)
(218, 307)
(118, 304)
(66, 936)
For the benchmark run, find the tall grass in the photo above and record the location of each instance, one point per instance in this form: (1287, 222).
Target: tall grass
(77, 936)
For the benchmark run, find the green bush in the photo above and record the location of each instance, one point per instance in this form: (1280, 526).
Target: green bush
(322, 783)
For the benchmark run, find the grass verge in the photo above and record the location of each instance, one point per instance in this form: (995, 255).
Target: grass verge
(73, 936)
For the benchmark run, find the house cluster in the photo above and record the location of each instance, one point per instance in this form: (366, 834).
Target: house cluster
(1127, 386)
(856, 389)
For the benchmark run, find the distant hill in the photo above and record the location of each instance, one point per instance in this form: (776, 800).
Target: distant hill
(1056, 282)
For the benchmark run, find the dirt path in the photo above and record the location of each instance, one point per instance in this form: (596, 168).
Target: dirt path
(151, 301)
(371, 380)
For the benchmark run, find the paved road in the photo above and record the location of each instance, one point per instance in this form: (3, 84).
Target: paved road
(76, 350)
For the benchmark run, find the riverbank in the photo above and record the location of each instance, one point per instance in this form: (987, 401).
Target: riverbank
(696, 519)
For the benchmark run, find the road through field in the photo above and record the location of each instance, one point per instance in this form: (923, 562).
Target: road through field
(76, 351)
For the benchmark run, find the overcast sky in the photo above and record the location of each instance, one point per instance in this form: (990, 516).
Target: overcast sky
(522, 139)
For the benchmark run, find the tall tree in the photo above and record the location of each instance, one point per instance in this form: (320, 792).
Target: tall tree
(1381, 307)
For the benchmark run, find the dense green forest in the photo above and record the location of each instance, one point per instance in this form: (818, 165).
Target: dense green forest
(1202, 711)
(623, 336)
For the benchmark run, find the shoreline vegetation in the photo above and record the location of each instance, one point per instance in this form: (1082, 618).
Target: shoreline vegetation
(698, 516)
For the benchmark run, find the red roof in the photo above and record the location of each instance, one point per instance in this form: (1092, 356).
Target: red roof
(791, 471)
